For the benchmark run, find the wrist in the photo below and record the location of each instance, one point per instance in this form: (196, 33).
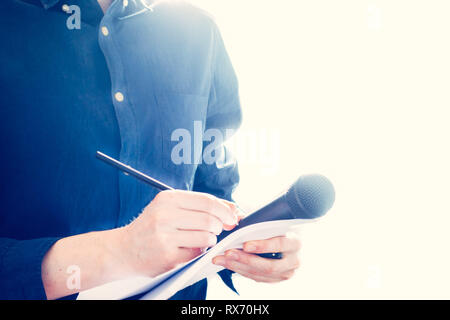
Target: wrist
(116, 265)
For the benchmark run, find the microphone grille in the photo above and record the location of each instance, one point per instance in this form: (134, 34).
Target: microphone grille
(311, 196)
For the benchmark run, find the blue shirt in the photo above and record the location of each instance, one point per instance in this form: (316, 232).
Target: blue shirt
(121, 84)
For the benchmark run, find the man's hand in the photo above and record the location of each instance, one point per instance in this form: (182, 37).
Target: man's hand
(246, 263)
(174, 228)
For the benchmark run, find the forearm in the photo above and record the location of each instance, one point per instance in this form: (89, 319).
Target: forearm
(174, 228)
(94, 257)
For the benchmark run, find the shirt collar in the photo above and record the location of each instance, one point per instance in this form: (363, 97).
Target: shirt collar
(91, 11)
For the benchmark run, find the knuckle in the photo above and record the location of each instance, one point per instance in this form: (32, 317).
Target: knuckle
(266, 246)
(244, 258)
(280, 243)
(229, 265)
(209, 222)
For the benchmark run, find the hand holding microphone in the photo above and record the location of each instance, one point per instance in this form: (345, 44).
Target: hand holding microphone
(310, 197)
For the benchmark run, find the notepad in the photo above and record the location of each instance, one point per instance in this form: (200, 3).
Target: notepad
(167, 284)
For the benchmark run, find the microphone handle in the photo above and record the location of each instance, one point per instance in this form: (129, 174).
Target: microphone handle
(276, 210)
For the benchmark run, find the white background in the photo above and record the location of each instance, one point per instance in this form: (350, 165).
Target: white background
(359, 91)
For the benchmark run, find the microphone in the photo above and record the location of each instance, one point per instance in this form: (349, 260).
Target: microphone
(309, 197)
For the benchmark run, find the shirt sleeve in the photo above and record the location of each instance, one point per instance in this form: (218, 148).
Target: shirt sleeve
(221, 177)
(20, 268)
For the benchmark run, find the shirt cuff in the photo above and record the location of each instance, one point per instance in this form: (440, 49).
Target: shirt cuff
(21, 268)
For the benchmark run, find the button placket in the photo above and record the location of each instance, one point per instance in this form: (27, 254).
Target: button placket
(109, 42)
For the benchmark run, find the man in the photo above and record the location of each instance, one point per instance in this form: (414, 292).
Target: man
(121, 82)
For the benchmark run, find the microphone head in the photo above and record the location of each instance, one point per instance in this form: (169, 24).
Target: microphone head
(310, 197)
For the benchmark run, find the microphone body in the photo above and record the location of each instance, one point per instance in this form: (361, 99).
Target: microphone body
(310, 197)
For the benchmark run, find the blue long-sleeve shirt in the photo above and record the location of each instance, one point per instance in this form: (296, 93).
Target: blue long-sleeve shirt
(121, 83)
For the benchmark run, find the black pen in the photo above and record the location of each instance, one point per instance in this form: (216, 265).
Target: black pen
(133, 172)
(159, 185)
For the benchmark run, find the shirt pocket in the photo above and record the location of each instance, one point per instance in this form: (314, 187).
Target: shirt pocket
(182, 119)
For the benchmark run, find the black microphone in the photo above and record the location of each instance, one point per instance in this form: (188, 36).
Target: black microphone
(310, 197)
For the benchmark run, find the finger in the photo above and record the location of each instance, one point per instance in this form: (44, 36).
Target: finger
(227, 227)
(198, 201)
(255, 277)
(238, 211)
(276, 244)
(221, 261)
(281, 277)
(199, 221)
(242, 270)
(260, 266)
(194, 239)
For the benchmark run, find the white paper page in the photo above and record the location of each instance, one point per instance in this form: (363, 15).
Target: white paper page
(198, 270)
(204, 267)
(125, 288)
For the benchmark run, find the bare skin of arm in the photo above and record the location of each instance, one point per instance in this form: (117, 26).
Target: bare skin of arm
(174, 228)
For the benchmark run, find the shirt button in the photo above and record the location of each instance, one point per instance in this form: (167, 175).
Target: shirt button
(125, 3)
(65, 8)
(118, 96)
(105, 31)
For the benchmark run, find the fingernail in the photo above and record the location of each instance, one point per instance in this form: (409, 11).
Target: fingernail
(232, 255)
(227, 227)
